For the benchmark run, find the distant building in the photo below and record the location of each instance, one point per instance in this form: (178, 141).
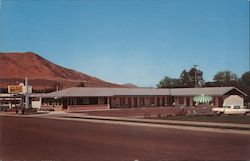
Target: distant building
(16, 95)
(8, 100)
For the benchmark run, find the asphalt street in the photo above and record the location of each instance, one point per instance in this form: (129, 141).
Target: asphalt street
(27, 139)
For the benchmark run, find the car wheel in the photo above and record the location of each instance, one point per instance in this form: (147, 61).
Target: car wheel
(246, 114)
(221, 113)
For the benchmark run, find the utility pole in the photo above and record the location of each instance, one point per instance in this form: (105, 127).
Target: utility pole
(195, 76)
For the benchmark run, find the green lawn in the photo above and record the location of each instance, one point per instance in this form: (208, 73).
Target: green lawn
(240, 119)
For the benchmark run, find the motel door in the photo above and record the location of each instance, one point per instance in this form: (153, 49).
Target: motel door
(135, 102)
(65, 103)
(188, 101)
(158, 102)
(220, 101)
(163, 101)
(129, 102)
(170, 101)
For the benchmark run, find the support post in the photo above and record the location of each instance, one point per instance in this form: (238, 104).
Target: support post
(108, 102)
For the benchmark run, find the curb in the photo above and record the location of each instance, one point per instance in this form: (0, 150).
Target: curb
(168, 122)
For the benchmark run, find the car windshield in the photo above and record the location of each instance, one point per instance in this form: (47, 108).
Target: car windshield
(226, 106)
(236, 107)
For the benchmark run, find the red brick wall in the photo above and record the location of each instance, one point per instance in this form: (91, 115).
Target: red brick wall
(87, 107)
(55, 107)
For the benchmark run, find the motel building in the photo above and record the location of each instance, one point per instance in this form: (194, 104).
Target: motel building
(91, 98)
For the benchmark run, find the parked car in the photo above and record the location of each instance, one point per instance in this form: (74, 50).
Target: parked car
(231, 109)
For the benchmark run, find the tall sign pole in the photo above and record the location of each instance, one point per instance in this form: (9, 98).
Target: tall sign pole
(26, 93)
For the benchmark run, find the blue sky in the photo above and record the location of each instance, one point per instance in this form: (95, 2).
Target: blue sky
(137, 41)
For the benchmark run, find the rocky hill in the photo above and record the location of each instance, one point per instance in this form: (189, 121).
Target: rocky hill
(42, 73)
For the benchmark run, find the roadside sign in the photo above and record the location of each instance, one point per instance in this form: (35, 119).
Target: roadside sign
(29, 89)
(15, 89)
(18, 89)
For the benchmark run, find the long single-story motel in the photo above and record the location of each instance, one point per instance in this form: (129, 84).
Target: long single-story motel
(89, 98)
(106, 98)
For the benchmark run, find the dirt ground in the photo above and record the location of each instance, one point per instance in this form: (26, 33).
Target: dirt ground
(172, 113)
(148, 112)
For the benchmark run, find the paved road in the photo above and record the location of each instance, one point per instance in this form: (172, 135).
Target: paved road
(44, 139)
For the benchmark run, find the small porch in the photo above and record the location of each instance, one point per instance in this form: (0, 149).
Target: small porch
(76, 103)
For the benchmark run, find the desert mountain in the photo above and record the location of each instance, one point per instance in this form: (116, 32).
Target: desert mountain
(131, 85)
(42, 73)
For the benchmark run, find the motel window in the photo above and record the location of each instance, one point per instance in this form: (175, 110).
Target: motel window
(93, 100)
(85, 101)
(70, 101)
(181, 100)
(102, 100)
(79, 101)
(122, 101)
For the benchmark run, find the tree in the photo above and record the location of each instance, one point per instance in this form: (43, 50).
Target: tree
(226, 78)
(245, 84)
(210, 84)
(245, 79)
(188, 78)
(168, 82)
(185, 79)
(81, 84)
(196, 75)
